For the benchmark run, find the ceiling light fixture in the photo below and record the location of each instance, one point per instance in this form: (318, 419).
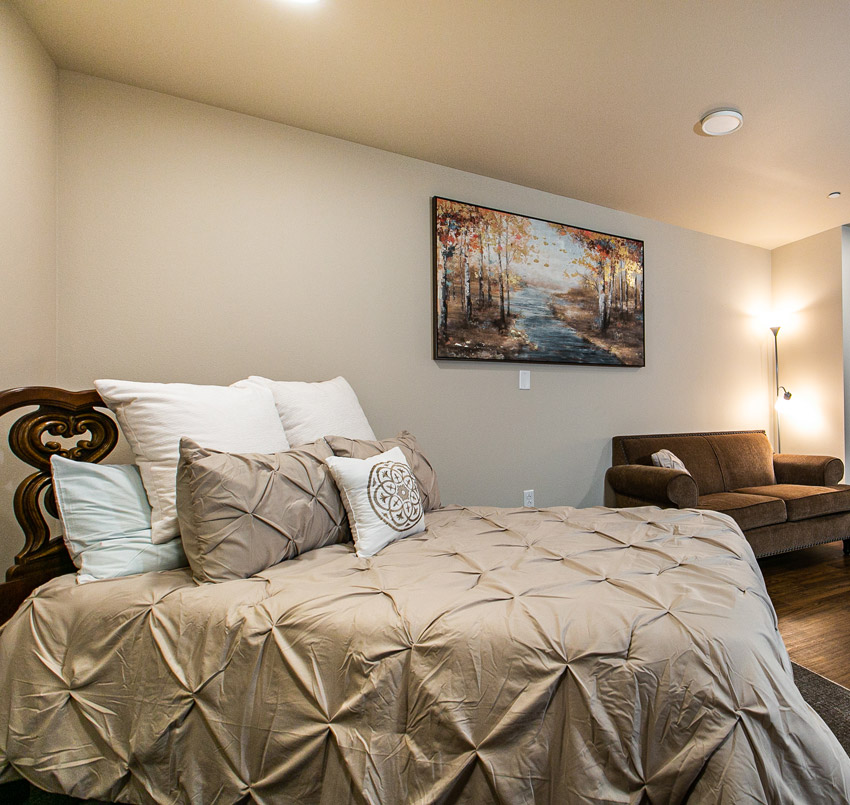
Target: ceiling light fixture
(835, 194)
(721, 121)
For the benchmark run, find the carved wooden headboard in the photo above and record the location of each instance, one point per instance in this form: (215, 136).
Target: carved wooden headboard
(63, 415)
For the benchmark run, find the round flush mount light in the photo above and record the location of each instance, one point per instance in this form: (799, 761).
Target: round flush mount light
(835, 194)
(721, 121)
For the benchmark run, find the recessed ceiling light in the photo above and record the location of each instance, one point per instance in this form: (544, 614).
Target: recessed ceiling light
(721, 121)
(834, 194)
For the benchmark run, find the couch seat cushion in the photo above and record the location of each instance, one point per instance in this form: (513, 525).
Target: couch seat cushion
(803, 501)
(748, 511)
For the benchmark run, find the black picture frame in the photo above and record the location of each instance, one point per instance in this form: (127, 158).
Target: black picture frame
(519, 289)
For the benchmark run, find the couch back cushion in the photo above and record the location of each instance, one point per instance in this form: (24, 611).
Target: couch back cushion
(746, 459)
(695, 452)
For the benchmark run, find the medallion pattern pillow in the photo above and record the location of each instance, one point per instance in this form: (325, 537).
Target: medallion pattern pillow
(381, 497)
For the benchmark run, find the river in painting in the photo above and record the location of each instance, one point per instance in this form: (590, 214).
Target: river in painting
(551, 339)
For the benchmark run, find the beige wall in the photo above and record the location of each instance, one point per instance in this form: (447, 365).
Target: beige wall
(807, 291)
(202, 245)
(28, 126)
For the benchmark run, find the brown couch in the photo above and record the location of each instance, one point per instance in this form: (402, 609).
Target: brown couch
(781, 501)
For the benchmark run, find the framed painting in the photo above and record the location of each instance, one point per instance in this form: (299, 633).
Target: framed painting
(510, 287)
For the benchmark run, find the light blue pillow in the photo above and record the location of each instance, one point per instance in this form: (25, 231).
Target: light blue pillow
(107, 521)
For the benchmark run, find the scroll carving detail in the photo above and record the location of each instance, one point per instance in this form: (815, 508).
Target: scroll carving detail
(62, 415)
(26, 436)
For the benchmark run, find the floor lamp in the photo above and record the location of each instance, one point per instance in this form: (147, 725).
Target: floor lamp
(786, 395)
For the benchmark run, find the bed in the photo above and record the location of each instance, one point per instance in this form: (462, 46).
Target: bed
(503, 655)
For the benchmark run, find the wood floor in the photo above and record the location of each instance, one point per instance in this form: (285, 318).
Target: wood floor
(810, 590)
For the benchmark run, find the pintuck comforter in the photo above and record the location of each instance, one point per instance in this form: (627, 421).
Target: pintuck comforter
(505, 655)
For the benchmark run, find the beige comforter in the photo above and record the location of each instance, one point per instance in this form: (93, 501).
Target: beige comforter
(505, 655)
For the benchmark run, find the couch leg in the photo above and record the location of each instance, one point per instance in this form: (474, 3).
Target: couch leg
(847, 547)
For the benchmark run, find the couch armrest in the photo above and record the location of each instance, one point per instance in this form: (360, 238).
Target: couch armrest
(808, 470)
(657, 485)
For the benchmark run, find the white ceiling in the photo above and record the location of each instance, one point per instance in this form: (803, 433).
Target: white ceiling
(592, 99)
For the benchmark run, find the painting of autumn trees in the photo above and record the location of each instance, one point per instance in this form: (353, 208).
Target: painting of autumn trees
(513, 288)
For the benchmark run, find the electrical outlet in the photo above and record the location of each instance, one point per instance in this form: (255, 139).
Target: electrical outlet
(528, 498)
(525, 379)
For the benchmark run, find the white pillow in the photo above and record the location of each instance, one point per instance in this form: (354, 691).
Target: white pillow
(310, 411)
(154, 416)
(107, 521)
(381, 497)
(668, 460)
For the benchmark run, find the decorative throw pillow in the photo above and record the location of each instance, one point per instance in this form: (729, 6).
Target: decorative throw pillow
(240, 514)
(668, 460)
(153, 417)
(381, 497)
(421, 467)
(310, 411)
(106, 518)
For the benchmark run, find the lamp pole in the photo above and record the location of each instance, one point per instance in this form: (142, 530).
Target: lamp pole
(775, 331)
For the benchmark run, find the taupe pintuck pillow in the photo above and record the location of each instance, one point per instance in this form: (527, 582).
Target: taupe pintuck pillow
(421, 467)
(242, 513)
